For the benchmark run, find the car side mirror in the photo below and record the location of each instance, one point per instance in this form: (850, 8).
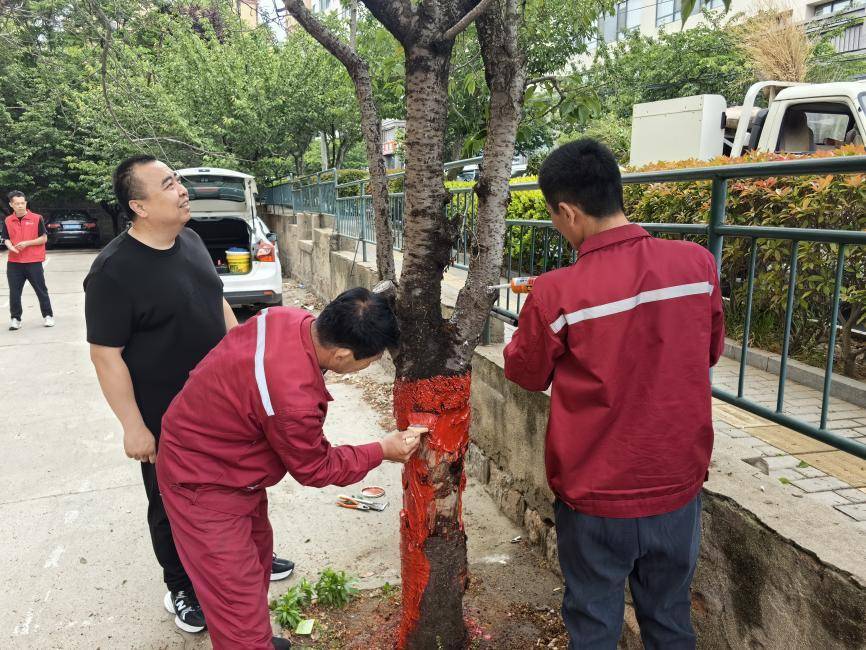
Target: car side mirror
(271, 237)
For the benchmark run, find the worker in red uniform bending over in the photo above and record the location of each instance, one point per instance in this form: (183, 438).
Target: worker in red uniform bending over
(626, 336)
(251, 411)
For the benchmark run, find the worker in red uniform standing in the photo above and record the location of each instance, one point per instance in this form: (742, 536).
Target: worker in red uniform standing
(626, 336)
(25, 236)
(250, 412)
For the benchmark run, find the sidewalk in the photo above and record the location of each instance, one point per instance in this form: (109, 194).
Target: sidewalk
(76, 559)
(807, 467)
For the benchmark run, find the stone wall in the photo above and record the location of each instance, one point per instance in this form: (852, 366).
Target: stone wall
(768, 578)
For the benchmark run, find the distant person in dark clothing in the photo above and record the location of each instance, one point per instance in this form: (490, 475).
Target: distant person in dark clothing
(25, 236)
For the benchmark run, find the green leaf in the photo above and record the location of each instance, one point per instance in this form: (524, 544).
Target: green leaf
(687, 7)
(305, 627)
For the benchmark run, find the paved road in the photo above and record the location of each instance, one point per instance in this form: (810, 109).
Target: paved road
(75, 557)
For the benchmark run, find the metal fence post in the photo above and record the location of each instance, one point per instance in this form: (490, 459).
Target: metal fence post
(336, 183)
(718, 211)
(362, 199)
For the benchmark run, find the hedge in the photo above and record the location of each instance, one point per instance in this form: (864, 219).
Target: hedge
(821, 202)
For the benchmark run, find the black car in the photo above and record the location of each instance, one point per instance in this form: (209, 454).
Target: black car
(72, 227)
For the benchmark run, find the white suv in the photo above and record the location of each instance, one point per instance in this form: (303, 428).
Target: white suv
(222, 207)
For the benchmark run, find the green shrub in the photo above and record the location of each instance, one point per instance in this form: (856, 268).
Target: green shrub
(335, 589)
(288, 608)
(825, 202)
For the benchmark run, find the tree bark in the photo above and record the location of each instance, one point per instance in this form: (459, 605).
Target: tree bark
(505, 73)
(428, 236)
(371, 130)
(847, 353)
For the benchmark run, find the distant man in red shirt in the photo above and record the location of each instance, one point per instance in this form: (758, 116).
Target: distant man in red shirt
(626, 336)
(25, 236)
(250, 412)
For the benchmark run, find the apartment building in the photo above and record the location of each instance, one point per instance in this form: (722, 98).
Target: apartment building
(652, 16)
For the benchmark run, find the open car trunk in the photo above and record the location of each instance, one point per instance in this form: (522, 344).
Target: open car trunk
(221, 234)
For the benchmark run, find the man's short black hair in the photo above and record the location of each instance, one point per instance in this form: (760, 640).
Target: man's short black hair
(359, 320)
(123, 181)
(14, 194)
(584, 173)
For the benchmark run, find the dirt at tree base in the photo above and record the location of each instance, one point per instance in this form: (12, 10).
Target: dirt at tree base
(497, 614)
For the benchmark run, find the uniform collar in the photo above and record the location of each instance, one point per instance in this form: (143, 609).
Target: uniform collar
(611, 237)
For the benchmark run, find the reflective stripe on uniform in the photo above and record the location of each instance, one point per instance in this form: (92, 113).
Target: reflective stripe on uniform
(627, 304)
(261, 379)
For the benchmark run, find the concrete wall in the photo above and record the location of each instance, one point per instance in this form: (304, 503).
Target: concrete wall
(770, 576)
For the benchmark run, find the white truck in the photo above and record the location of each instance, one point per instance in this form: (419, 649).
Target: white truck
(799, 118)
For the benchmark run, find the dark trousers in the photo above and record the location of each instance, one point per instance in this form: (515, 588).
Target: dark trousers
(18, 273)
(656, 554)
(173, 572)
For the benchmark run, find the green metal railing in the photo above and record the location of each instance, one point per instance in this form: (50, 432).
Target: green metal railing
(533, 247)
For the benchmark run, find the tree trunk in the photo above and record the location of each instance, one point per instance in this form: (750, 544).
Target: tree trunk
(505, 73)
(428, 235)
(433, 381)
(848, 356)
(433, 543)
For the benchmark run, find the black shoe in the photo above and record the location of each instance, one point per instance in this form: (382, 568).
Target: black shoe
(281, 569)
(187, 612)
(281, 643)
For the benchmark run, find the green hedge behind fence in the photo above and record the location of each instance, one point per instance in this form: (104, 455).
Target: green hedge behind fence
(828, 202)
(825, 202)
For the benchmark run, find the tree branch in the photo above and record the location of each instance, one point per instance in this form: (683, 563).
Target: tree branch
(315, 28)
(192, 147)
(371, 128)
(397, 16)
(106, 46)
(505, 74)
(467, 20)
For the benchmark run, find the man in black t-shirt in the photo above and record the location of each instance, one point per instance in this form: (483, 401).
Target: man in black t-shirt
(154, 308)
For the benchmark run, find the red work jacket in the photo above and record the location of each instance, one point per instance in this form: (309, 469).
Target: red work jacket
(25, 229)
(626, 336)
(252, 410)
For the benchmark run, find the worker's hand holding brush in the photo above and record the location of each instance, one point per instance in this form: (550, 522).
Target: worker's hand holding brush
(399, 446)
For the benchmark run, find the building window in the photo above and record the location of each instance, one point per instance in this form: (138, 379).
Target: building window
(712, 4)
(837, 5)
(628, 15)
(668, 11)
(626, 18)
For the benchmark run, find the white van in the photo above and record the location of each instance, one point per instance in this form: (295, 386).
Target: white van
(222, 207)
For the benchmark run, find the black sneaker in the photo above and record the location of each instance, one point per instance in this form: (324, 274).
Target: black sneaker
(187, 612)
(281, 643)
(281, 569)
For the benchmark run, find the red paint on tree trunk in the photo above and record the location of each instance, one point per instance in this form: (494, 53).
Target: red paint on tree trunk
(442, 405)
